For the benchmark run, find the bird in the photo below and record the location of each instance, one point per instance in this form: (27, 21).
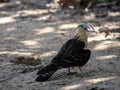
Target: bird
(73, 53)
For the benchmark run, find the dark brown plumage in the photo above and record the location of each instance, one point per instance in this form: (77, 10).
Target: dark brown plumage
(72, 53)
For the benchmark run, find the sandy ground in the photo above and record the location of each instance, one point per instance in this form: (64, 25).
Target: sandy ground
(27, 31)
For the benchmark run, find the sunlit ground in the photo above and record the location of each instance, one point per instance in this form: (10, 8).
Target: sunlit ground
(43, 32)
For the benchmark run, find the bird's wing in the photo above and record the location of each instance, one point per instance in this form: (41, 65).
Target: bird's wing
(72, 53)
(70, 47)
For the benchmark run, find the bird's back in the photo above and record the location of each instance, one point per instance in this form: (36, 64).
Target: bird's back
(72, 53)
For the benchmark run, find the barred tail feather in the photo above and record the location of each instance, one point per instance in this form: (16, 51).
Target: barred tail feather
(45, 73)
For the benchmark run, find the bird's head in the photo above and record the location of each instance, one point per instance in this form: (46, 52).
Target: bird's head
(85, 27)
(81, 32)
(82, 28)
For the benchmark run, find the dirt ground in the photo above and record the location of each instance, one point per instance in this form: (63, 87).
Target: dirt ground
(28, 31)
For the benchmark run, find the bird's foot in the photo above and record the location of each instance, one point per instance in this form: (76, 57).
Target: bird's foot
(71, 73)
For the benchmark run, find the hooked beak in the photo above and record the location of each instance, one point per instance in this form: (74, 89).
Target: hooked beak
(87, 28)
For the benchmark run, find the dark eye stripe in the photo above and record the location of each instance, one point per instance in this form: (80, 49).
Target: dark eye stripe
(80, 26)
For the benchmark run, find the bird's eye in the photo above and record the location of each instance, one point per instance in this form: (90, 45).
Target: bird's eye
(81, 25)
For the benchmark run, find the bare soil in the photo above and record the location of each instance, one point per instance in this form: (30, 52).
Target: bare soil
(28, 31)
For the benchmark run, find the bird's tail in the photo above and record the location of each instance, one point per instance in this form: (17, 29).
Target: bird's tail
(45, 73)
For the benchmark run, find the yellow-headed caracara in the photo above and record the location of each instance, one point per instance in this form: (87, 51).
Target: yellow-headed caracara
(73, 53)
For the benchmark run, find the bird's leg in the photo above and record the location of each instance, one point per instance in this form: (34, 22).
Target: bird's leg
(69, 72)
(80, 69)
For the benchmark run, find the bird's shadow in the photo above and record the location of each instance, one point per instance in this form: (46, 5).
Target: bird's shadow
(64, 74)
